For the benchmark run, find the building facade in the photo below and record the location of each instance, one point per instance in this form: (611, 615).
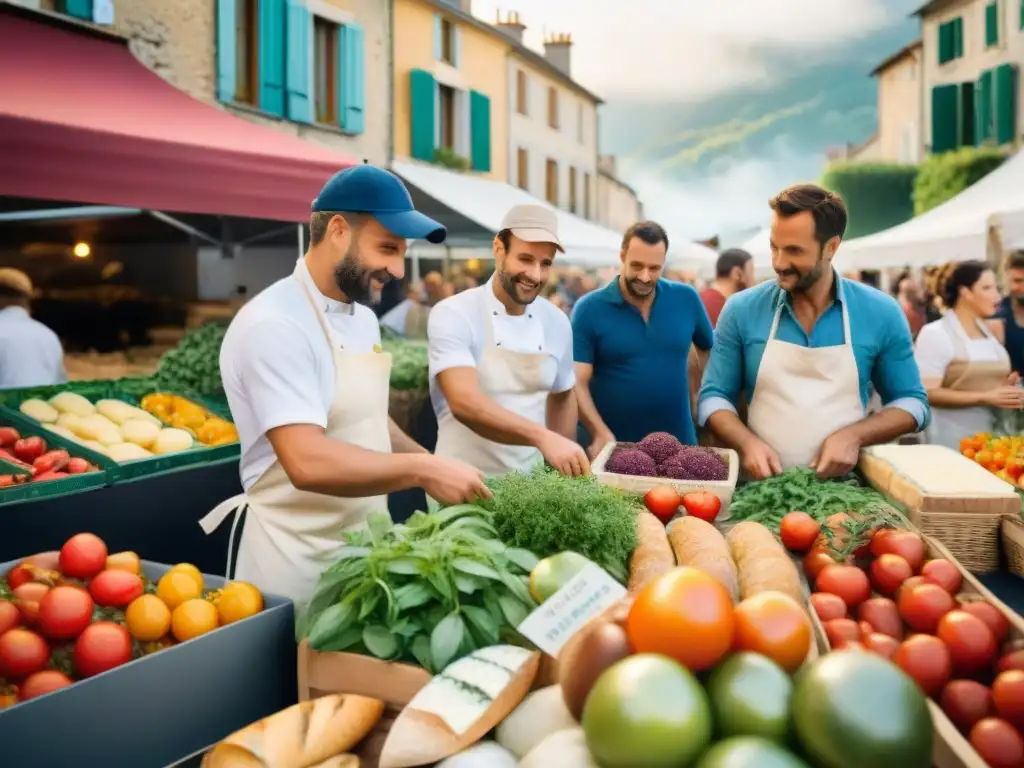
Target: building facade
(971, 58)
(899, 138)
(618, 206)
(318, 69)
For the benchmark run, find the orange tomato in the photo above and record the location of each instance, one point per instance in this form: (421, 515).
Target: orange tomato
(776, 626)
(148, 618)
(175, 587)
(968, 452)
(983, 457)
(192, 571)
(684, 614)
(238, 600)
(1015, 466)
(998, 460)
(192, 619)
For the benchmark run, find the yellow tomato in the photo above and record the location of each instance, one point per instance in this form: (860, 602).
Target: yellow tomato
(148, 618)
(177, 587)
(238, 600)
(192, 619)
(192, 571)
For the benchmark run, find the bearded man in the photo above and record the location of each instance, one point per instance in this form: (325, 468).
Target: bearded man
(307, 384)
(501, 371)
(805, 350)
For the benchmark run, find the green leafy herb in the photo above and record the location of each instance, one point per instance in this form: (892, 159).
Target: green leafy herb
(408, 363)
(194, 365)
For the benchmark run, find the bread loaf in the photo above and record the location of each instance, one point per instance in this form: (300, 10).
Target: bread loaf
(698, 544)
(313, 734)
(652, 556)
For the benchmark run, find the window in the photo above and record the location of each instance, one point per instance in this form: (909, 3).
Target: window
(991, 24)
(521, 93)
(572, 189)
(551, 182)
(446, 117)
(447, 41)
(951, 40)
(522, 169)
(580, 134)
(586, 195)
(247, 72)
(325, 70)
(553, 108)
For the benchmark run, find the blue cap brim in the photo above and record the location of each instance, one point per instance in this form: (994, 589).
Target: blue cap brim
(412, 225)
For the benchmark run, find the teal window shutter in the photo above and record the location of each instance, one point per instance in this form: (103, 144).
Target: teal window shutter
(227, 76)
(438, 37)
(480, 131)
(1005, 103)
(80, 9)
(992, 24)
(966, 121)
(958, 37)
(945, 117)
(422, 114)
(352, 79)
(1021, 14)
(298, 62)
(271, 56)
(984, 107)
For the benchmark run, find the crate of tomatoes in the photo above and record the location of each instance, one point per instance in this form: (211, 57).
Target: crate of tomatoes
(173, 658)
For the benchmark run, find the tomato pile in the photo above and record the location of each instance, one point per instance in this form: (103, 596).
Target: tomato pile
(76, 613)
(1001, 455)
(664, 502)
(38, 462)
(889, 598)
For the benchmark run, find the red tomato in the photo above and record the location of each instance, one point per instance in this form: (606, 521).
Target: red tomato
(847, 581)
(997, 743)
(881, 644)
(702, 504)
(83, 556)
(9, 615)
(815, 562)
(828, 606)
(965, 702)
(41, 683)
(102, 646)
(926, 659)
(663, 502)
(888, 572)
(883, 616)
(798, 531)
(115, 589)
(909, 584)
(972, 646)
(1012, 660)
(65, 612)
(943, 573)
(21, 653)
(991, 616)
(841, 632)
(865, 629)
(18, 575)
(905, 544)
(875, 547)
(923, 606)
(1008, 696)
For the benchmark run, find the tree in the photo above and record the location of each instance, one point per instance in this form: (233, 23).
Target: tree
(950, 173)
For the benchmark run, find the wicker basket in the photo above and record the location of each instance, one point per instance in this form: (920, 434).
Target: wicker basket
(723, 489)
(1012, 528)
(971, 537)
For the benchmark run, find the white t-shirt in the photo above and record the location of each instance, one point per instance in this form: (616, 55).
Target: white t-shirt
(30, 353)
(277, 367)
(455, 334)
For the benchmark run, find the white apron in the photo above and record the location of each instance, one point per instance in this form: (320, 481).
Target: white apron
(804, 394)
(517, 381)
(290, 536)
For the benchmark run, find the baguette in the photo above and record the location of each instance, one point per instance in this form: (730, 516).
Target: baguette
(763, 564)
(698, 544)
(652, 556)
(312, 734)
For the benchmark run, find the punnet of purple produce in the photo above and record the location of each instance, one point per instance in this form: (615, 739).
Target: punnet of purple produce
(699, 464)
(631, 463)
(659, 446)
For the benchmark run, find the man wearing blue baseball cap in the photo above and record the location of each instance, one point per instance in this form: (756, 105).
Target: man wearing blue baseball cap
(307, 383)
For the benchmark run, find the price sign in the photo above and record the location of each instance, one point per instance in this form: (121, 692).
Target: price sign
(588, 594)
(103, 11)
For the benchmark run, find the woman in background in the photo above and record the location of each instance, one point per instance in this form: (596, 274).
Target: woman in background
(963, 366)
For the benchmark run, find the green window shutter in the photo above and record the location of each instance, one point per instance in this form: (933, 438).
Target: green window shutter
(958, 37)
(992, 24)
(945, 116)
(480, 131)
(983, 107)
(227, 76)
(945, 46)
(422, 114)
(1021, 14)
(1005, 102)
(966, 120)
(299, 61)
(80, 9)
(352, 79)
(271, 55)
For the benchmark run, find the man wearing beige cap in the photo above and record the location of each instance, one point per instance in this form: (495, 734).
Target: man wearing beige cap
(501, 367)
(30, 353)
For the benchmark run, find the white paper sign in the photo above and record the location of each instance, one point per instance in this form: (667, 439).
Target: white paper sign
(589, 593)
(103, 11)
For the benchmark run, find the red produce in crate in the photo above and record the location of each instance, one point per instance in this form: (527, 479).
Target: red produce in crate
(28, 449)
(102, 646)
(22, 652)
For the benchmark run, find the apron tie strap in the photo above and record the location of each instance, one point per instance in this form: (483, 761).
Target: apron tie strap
(215, 518)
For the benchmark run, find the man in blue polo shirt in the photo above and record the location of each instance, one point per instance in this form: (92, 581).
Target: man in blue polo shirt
(806, 349)
(631, 341)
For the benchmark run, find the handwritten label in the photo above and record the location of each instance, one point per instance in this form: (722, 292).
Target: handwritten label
(103, 11)
(588, 594)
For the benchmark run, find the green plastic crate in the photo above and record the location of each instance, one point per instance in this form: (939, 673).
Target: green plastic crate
(130, 390)
(64, 486)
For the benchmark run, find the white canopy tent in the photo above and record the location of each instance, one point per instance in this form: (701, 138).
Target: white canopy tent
(759, 247)
(957, 230)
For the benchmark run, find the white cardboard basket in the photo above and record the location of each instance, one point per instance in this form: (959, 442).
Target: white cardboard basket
(723, 489)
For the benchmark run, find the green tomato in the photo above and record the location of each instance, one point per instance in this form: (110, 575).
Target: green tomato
(749, 752)
(853, 709)
(647, 711)
(750, 696)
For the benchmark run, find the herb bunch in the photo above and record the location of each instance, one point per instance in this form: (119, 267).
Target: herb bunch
(431, 590)
(409, 364)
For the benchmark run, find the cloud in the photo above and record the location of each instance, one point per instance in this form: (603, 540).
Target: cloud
(693, 50)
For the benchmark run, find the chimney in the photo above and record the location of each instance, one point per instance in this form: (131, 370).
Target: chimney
(511, 25)
(606, 163)
(557, 50)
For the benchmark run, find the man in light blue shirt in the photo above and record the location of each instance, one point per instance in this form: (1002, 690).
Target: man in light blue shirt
(806, 349)
(30, 353)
